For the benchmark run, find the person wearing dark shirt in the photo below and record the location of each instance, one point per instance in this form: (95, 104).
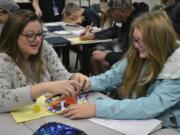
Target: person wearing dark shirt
(49, 10)
(124, 12)
(83, 16)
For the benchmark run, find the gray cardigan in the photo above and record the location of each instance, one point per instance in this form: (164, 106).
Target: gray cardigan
(14, 88)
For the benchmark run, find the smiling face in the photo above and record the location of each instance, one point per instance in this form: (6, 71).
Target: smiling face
(30, 39)
(138, 44)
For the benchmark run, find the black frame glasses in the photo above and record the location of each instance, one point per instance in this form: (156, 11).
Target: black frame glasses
(32, 37)
(3, 11)
(137, 41)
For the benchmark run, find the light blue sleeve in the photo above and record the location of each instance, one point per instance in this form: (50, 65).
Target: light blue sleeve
(166, 94)
(111, 79)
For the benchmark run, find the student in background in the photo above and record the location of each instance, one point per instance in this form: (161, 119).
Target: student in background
(85, 17)
(6, 6)
(106, 22)
(122, 12)
(149, 75)
(29, 66)
(105, 18)
(49, 10)
(74, 14)
(101, 8)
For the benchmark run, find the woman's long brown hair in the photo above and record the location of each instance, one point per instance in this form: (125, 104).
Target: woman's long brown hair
(9, 42)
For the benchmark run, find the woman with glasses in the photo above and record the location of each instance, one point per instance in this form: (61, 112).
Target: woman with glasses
(29, 67)
(148, 76)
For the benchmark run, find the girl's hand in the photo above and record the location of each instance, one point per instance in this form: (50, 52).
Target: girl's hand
(87, 36)
(66, 87)
(38, 12)
(79, 111)
(83, 81)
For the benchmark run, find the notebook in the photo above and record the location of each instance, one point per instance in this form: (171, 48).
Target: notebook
(130, 127)
(55, 28)
(58, 40)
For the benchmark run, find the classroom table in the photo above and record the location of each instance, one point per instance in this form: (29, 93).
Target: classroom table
(66, 47)
(9, 127)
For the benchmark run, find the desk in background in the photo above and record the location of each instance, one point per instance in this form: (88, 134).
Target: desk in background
(71, 33)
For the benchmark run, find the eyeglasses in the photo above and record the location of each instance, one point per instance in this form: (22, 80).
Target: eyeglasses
(32, 37)
(3, 11)
(136, 41)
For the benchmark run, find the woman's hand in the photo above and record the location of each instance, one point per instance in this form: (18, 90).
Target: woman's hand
(38, 12)
(83, 81)
(65, 87)
(36, 7)
(78, 111)
(86, 36)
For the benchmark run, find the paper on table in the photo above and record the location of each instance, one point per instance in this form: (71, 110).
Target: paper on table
(27, 113)
(130, 127)
(77, 40)
(77, 32)
(62, 32)
(54, 24)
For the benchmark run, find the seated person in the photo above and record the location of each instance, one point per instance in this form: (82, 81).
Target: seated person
(149, 75)
(106, 20)
(122, 12)
(6, 6)
(85, 17)
(74, 14)
(29, 66)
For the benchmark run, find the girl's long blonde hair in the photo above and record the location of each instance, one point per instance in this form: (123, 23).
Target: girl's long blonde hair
(159, 39)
